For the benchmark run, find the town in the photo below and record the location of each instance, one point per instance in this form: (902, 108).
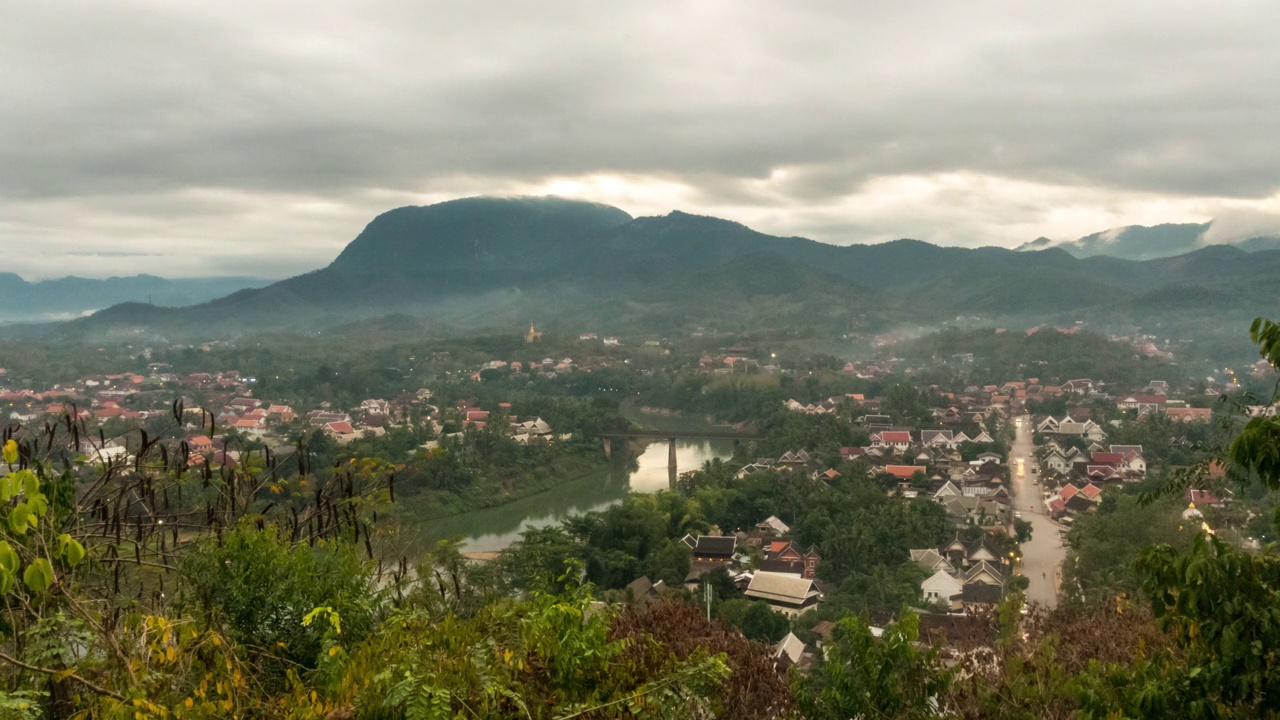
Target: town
(995, 475)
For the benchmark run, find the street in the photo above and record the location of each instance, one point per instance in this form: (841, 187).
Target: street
(1041, 557)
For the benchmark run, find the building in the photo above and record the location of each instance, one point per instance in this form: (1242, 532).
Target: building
(785, 594)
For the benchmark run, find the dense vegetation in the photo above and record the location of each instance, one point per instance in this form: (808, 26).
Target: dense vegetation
(1052, 356)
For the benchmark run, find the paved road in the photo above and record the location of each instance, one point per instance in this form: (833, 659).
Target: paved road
(1042, 557)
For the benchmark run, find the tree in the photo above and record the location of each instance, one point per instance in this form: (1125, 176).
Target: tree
(260, 587)
(865, 676)
(753, 690)
(1106, 544)
(1220, 605)
(548, 656)
(97, 549)
(1023, 529)
(904, 404)
(539, 558)
(761, 623)
(670, 563)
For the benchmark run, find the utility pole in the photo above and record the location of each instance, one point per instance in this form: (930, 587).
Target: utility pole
(707, 592)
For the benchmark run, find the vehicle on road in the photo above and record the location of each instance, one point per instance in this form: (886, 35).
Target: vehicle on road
(1017, 516)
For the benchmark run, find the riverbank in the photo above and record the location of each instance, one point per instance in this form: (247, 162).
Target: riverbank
(650, 418)
(496, 526)
(492, 492)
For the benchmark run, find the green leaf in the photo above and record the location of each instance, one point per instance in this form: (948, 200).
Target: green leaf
(30, 484)
(8, 557)
(20, 519)
(72, 551)
(6, 581)
(39, 575)
(39, 506)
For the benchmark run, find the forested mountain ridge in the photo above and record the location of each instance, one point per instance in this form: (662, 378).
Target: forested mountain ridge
(1141, 242)
(499, 262)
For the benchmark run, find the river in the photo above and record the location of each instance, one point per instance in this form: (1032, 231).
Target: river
(495, 528)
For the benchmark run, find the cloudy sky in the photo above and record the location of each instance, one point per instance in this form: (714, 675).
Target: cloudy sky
(257, 138)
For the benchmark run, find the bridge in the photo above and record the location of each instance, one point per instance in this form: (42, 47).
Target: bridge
(685, 435)
(671, 436)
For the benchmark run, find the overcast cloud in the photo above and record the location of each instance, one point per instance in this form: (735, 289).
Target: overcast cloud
(257, 138)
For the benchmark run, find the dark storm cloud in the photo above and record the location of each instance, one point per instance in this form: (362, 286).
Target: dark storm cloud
(267, 133)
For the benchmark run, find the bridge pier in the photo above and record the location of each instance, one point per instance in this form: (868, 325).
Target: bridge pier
(608, 448)
(672, 473)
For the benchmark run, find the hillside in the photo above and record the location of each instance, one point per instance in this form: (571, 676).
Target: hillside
(482, 263)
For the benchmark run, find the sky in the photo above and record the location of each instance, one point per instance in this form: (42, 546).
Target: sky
(257, 138)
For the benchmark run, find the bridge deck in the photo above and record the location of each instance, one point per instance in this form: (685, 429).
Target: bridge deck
(684, 435)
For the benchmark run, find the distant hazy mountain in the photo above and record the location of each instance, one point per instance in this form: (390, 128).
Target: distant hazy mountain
(486, 263)
(1139, 242)
(22, 301)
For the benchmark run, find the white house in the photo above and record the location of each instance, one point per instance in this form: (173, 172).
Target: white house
(941, 587)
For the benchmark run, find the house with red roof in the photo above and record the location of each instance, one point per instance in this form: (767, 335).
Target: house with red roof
(1143, 403)
(102, 414)
(1190, 414)
(1101, 473)
(249, 425)
(1113, 459)
(898, 440)
(784, 556)
(1080, 386)
(851, 453)
(339, 429)
(1206, 497)
(904, 472)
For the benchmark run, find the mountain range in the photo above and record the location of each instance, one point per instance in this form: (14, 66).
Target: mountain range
(1141, 242)
(501, 263)
(68, 297)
